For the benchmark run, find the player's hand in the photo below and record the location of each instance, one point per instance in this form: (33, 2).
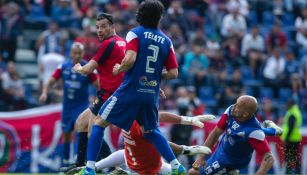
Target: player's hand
(194, 150)
(77, 67)
(200, 161)
(116, 69)
(197, 120)
(43, 98)
(162, 94)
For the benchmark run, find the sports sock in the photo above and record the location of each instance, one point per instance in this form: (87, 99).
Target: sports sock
(66, 151)
(95, 141)
(82, 146)
(162, 146)
(269, 131)
(115, 159)
(104, 151)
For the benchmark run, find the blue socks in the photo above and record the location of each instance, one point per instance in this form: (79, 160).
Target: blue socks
(161, 144)
(269, 131)
(94, 142)
(66, 151)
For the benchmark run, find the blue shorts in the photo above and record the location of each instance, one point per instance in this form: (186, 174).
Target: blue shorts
(122, 113)
(214, 166)
(69, 117)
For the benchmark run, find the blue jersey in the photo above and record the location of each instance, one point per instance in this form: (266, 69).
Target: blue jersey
(142, 82)
(234, 148)
(75, 86)
(137, 96)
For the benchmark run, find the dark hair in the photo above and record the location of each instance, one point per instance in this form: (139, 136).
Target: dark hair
(149, 13)
(107, 16)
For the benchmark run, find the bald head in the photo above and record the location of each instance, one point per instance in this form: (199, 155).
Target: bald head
(249, 102)
(245, 107)
(77, 52)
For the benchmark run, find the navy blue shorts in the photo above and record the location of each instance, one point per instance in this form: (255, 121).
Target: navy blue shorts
(122, 113)
(101, 96)
(69, 117)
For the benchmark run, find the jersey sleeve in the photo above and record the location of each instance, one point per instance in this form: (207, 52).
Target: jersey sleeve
(132, 41)
(171, 61)
(57, 73)
(222, 122)
(258, 142)
(104, 51)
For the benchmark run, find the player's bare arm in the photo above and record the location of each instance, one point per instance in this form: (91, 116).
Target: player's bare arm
(266, 164)
(86, 69)
(185, 120)
(189, 150)
(126, 64)
(210, 142)
(170, 74)
(43, 96)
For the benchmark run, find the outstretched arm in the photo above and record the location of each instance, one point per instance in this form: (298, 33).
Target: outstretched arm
(86, 69)
(189, 150)
(185, 120)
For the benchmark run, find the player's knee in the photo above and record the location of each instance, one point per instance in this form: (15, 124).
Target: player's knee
(101, 122)
(148, 134)
(82, 121)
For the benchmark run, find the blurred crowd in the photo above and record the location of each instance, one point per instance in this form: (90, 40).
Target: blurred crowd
(225, 48)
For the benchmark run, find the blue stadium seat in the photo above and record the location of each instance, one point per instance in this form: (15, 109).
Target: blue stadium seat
(206, 94)
(252, 18)
(288, 19)
(284, 94)
(249, 90)
(268, 18)
(246, 73)
(266, 92)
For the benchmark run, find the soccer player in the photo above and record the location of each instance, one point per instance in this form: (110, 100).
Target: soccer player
(76, 94)
(149, 161)
(149, 50)
(242, 135)
(110, 52)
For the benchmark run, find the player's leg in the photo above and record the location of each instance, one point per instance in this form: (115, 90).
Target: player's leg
(148, 119)
(67, 127)
(82, 127)
(165, 168)
(115, 159)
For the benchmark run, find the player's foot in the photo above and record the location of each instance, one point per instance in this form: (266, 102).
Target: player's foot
(74, 171)
(83, 171)
(180, 171)
(271, 124)
(118, 171)
(65, 169)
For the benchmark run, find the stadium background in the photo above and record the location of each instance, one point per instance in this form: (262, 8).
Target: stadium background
(216, 65)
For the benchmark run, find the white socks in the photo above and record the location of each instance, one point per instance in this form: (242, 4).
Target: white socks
(175, 164)
(115, 159)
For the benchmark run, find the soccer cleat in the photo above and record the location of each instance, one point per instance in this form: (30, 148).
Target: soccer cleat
(83, 171)
(67, 168)
(74, 171)
(271, 124)
(118, 171)
(180, 171)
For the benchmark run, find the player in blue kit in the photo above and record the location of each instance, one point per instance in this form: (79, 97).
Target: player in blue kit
(148, 52)
(242, 135)
(75, 98)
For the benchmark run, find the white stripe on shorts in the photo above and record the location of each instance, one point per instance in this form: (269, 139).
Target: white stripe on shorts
(108, 108)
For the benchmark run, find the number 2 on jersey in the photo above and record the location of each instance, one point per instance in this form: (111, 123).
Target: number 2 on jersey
(152, 58)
